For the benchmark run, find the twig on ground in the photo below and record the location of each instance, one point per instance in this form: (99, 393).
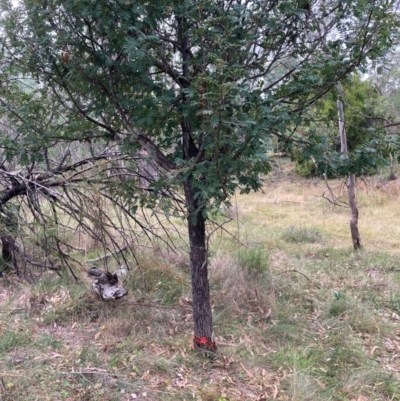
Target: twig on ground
(296, 271)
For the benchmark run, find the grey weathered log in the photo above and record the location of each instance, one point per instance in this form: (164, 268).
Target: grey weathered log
(106, 284)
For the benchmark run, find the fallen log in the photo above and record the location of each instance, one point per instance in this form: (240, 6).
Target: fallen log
(106, 284)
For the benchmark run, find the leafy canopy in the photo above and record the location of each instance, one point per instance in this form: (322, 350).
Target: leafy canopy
(367, 142)
(201, 86)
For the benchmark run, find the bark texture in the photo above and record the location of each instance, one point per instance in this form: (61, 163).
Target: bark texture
(355, 234)
(202, 315)
(351, 180)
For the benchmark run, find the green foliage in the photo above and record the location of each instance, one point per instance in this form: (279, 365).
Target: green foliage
(303, 167)
(194, 84)
(200, 88)
(361, 117)
(386, 77)
(367, 143)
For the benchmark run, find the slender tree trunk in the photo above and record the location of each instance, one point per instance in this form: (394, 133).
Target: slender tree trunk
(392, 175)
(355, 235)
(351, 180)
(202, 316)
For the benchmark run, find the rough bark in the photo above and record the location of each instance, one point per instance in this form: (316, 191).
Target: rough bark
(355, 235)
(8, 253)
(392, 175)
(7, 249)
(351, 180)
(202, 315)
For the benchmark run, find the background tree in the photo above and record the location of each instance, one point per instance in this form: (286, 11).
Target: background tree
(200, 87)
(351, 179)
(386, 80)
(364, 125)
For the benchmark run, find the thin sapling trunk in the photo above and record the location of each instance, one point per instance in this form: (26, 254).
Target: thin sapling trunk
(351, 180)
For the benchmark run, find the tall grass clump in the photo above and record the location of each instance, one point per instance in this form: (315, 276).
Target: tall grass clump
(11, 340)
(371, 382)
(156, 276)
(241, 285)
(360, 316)
(302, 235)
(253, 260)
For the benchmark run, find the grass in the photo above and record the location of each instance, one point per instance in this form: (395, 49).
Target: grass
(298, 315)
(253, 260)
(299, 235)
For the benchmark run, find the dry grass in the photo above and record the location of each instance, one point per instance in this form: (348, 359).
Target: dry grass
(298, 315)
(301, 203)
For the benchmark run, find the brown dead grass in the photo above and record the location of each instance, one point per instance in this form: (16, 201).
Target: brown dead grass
(281, 332)
(302, 203)
(239, 294)
(104, 356)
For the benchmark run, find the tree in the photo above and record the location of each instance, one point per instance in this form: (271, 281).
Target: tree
(351, 180)
(364, 121)
(201, 87)
(385, 76)
(56, 187)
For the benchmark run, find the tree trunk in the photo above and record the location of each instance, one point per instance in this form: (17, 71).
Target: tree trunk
(202, 316)
(355, 235)
(195, 205)
(351, 180)
(8, 253)
(392, 175)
